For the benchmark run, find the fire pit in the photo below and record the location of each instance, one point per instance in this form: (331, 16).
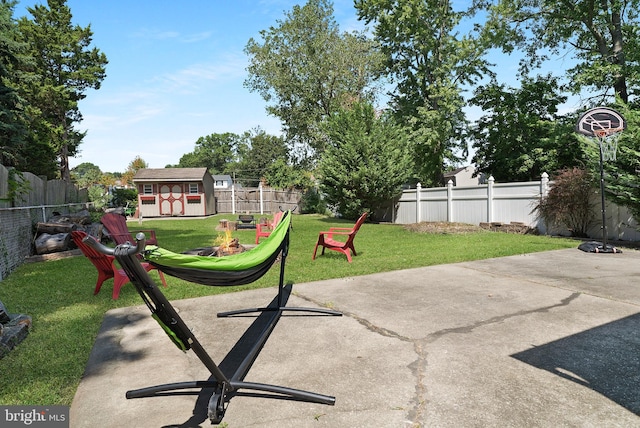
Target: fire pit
(214, 251)
(224, 245)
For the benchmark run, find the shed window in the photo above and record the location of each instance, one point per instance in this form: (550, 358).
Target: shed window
(193, 188)
(148, 189)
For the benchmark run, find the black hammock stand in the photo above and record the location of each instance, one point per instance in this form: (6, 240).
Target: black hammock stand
(224, 387)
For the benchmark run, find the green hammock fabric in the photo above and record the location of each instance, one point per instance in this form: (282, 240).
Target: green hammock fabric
(236, 269)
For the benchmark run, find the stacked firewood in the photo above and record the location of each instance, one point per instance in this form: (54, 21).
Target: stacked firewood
(54, 235)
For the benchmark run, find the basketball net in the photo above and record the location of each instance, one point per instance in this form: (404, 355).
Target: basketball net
(608, 140)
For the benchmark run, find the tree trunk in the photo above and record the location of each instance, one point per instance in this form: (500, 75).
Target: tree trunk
(53, 228)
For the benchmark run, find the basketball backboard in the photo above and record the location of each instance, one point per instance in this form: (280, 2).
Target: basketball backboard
(600, 122)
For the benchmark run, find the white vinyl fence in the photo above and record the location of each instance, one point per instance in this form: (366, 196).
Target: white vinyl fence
(501, 203)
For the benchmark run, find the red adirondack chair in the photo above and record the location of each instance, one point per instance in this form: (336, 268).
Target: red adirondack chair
(326, 239)
(106, 266)
(116, 225)
(264, 230)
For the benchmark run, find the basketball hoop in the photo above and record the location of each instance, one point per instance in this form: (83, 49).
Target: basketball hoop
(608, 140)
(605, 125)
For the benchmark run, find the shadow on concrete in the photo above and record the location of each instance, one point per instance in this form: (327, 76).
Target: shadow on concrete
(231, 362)
(104, 356)
(605, 359)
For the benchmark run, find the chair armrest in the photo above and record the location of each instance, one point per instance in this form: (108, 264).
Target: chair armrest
(335, 233)
(341, 228)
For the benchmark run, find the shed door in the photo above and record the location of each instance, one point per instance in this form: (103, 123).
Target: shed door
(171, 199)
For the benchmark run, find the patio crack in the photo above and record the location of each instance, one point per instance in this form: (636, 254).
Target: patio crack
(499, 318)
(415, 416)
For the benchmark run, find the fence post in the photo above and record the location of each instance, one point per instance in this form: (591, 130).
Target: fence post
(490, 182)
(233, 198)
(450, 201)
(418, 195)
(261, 198)
(544, 185)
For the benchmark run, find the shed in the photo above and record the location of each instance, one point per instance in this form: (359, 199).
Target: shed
(175, 192)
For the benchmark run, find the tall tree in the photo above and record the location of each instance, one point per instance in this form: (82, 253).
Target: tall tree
(520, 134)
(602, 36)
(430, 63)
(86, 174)
(67, 67)
(309, 70)
(136, 164)
(12, 60)
(216, 152)
(622, 175)
(366, 161)
(257, 152)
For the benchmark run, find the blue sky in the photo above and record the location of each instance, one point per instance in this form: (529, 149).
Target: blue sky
(175, 74)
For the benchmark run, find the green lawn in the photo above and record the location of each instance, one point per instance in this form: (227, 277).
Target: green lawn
(46, 368)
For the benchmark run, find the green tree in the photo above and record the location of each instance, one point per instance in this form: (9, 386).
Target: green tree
(87, 174)
(366, 160)
(257, 152)
(67, 67)
(216, 152)
(134, 166)
(602, 36)
(124, 198)
(622, 179)
(12, 59)
(430, 63)
(282, 174)
(307, 70)
(520, 135)
(99, 196)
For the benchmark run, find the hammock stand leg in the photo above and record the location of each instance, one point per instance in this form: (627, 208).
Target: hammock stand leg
(281, 303)
(224, 387)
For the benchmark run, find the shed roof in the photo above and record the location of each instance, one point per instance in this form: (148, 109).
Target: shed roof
(170, 174)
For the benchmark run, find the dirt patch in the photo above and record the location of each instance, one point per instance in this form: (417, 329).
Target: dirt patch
(443, 227)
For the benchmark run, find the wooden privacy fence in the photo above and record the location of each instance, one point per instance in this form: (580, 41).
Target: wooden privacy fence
(18, 217)
(255, 200)
(500, 203)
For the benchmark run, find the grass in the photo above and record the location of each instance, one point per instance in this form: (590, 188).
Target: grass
(46, 368)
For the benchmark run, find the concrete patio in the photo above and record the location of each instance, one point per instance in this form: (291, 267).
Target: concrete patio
(541, 340)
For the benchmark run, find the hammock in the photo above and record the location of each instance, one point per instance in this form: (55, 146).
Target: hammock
(237, 269)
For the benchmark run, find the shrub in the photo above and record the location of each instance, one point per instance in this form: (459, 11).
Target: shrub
(312, 202)
(120, 197)
(569, 202)
(99, 196)
(365, 162)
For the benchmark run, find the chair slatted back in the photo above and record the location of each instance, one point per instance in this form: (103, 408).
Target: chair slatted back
(117, 227)
(355, 229)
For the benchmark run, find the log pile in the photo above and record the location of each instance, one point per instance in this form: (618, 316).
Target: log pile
(54, 235)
